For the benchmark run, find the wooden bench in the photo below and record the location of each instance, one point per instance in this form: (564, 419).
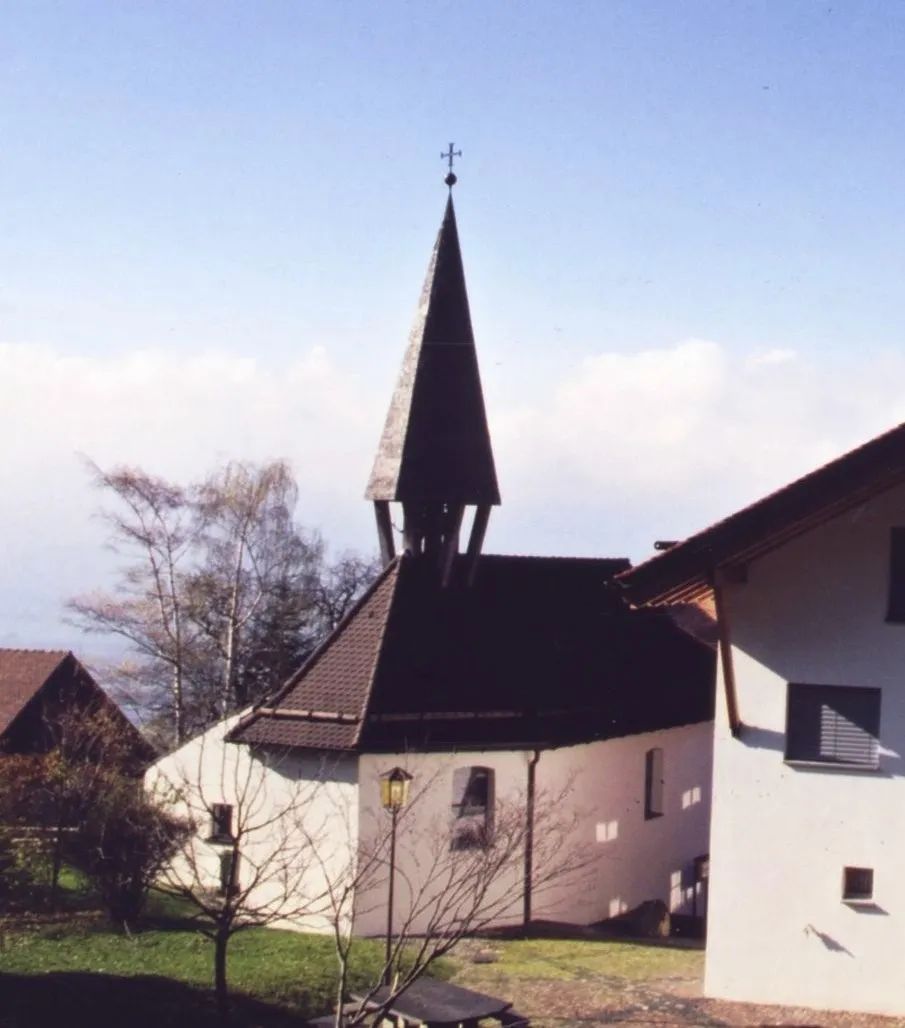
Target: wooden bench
(435, 1004)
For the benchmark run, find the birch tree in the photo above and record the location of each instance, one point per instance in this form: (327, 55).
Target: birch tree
(221, 594)
(152, 527)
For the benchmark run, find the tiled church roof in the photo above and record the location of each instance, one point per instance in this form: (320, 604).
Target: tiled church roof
(539, 650)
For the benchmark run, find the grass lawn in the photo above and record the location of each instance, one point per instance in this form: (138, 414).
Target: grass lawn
(161, 973)
(77, 966)
(582, 960)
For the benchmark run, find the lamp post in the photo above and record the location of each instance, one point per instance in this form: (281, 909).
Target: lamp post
(394, 794)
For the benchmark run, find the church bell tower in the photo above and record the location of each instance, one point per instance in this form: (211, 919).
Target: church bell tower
(435, 458)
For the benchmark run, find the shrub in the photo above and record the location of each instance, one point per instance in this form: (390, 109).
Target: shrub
(123, 845)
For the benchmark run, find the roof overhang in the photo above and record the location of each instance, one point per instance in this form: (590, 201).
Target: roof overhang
(688, 571)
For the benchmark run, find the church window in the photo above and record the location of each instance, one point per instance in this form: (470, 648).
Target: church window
(221, 823)
(653, 783)
(473, 798)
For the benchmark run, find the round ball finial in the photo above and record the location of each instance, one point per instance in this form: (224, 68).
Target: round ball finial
(451, 179)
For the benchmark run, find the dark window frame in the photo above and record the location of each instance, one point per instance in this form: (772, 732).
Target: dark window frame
(654, 783)
(229, 873)
(221, 828)
(857, 885)
(895, 600)
(833, 726)
(473, 807)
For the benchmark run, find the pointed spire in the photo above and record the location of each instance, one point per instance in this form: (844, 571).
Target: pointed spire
(435, 447)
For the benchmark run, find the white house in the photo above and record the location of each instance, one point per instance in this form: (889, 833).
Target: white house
(807, 895)
(500, 683)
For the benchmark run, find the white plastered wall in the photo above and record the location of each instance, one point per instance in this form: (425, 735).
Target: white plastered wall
(778, 931)
(285, 803)
(626, 859)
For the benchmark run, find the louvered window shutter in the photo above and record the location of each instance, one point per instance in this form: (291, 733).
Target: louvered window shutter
(831, 724)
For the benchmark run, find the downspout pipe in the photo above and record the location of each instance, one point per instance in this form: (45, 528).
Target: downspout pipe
(529, 837)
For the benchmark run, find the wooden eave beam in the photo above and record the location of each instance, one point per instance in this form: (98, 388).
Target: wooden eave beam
(726, 661)
(451, 543)
(384, 530)
(476, 539)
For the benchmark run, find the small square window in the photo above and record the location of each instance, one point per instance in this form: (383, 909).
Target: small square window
(858, 884)
(221, 822)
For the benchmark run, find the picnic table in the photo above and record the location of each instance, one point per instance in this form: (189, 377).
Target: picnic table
(438, 1004)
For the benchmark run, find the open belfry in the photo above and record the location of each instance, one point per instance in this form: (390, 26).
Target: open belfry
(435, 457)
(452, 648)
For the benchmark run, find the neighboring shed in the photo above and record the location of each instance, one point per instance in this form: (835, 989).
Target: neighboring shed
(39, 687)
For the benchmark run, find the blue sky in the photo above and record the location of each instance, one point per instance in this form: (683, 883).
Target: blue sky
(682, 227)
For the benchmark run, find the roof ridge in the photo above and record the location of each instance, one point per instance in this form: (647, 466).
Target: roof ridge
(564, 558)
(378, 651)
(33, 649)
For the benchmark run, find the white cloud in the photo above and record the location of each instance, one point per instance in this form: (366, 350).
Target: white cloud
(175, 416)
(677, 437)
(648, 444)
(777, 356)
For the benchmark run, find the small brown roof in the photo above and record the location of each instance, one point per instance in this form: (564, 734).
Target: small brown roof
(684, 572)
(435, 445)
(22, 673)
(537, 651)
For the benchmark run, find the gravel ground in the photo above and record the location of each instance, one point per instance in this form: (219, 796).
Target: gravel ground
(669, 1000)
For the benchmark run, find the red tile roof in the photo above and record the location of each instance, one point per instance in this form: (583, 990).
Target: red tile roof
(22, 673)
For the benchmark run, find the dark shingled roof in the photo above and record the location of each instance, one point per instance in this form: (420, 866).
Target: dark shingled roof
(539, 650)
(435, 445)
(684, 572)
(22, 673)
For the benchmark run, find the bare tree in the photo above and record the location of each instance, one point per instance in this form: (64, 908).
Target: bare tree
(223, 594)
(340, 585)
(448, 889)
(152, 526)
(259, 574)
(249, 860)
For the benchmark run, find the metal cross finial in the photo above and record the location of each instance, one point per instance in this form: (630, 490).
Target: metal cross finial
(449, 157)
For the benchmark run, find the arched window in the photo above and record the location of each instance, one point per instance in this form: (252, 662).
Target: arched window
(472, 804)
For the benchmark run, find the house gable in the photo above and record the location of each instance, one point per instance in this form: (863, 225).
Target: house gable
(39, 687)
(686, 570)
(22, 674)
